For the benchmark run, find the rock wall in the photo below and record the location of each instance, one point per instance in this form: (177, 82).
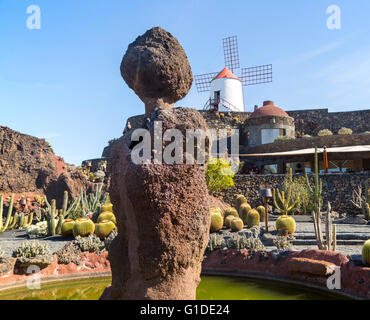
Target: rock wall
(29, 166)
(320, 142)
(337, 188)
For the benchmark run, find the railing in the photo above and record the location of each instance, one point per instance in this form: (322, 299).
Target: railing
(213, 104)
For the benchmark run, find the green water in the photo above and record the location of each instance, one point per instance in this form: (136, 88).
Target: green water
(210, 288)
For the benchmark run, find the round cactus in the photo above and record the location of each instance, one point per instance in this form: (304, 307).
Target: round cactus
(243, 211)
(67, 228)
(366, 253)
(83, 227)
(262, 211)
(285, 222)
(108, 207)
(217, 222)
(107, 216)
(253, 218)
(231, 212)
(104, 229)
(228, 219)
(216, 210)
(240, 199)
(236, 225)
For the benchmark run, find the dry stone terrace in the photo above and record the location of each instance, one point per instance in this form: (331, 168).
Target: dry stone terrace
(337, 188)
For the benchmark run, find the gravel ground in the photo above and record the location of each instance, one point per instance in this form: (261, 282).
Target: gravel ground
(304, 233)
(12, 239)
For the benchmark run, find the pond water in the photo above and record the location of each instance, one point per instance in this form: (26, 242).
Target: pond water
(210, 288)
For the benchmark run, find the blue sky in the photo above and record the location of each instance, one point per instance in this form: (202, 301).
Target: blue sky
(63, 82)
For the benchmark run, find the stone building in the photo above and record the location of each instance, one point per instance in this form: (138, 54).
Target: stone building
(267, 123)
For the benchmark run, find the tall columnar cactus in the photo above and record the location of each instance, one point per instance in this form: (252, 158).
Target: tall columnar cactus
(5, 226)
(51, 215)
(316, 201)
(283, 201)
(92, 202)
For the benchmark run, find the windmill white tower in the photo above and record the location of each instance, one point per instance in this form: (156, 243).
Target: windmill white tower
(226, 89)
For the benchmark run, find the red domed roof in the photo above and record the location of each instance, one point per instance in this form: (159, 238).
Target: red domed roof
(226, 73)
(269, 110)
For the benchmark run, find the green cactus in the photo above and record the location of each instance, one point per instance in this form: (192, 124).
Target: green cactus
(58, 229)
(228, 219)
(83, 227)
(285, 222)
(29, 220)
(236, 225)
(9, 216)
(107, 216)
(244, 209)
(262, 211)
(67, 228)
(366, 253)
(217, 222)
(231, 212)
(286, 204)
(104, 229)
(253, 218)
(240, 199)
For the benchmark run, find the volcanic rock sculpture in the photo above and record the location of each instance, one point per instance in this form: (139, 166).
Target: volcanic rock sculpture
(156, 67)
(162, 209)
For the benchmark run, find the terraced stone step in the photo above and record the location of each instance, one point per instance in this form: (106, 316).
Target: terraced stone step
(340, 236)
(301, 242)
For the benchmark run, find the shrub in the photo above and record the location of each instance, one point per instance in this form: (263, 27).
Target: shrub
(345, 131)
(108, 241)
(324, 133)
(282, 243)
(89, 244)
(219, 175)
(284, 138)
(30, 249)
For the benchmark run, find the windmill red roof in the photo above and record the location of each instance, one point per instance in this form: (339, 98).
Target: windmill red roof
(226, 73)
(269, 109)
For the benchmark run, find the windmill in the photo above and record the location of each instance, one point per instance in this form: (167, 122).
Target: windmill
(226, 89)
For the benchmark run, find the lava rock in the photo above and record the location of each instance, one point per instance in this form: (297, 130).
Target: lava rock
(156, 67)
(6, 265)
(40, 261)
(163, 220)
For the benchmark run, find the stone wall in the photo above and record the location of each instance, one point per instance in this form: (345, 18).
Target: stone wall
(312, 121)
(303, 143)
(337, 188)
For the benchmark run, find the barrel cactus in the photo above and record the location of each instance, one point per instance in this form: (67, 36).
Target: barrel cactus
(366, 253)
(231, 212)
(243, 211)
(228, 219)
(236, 225)
(83, 227)
(217, 222)
(240, 199)
(108, 207)
(104, 228)
(67, 228)
(262, 211)
(285, 222)
(216, 210)
(107, 216)
(253, 218)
